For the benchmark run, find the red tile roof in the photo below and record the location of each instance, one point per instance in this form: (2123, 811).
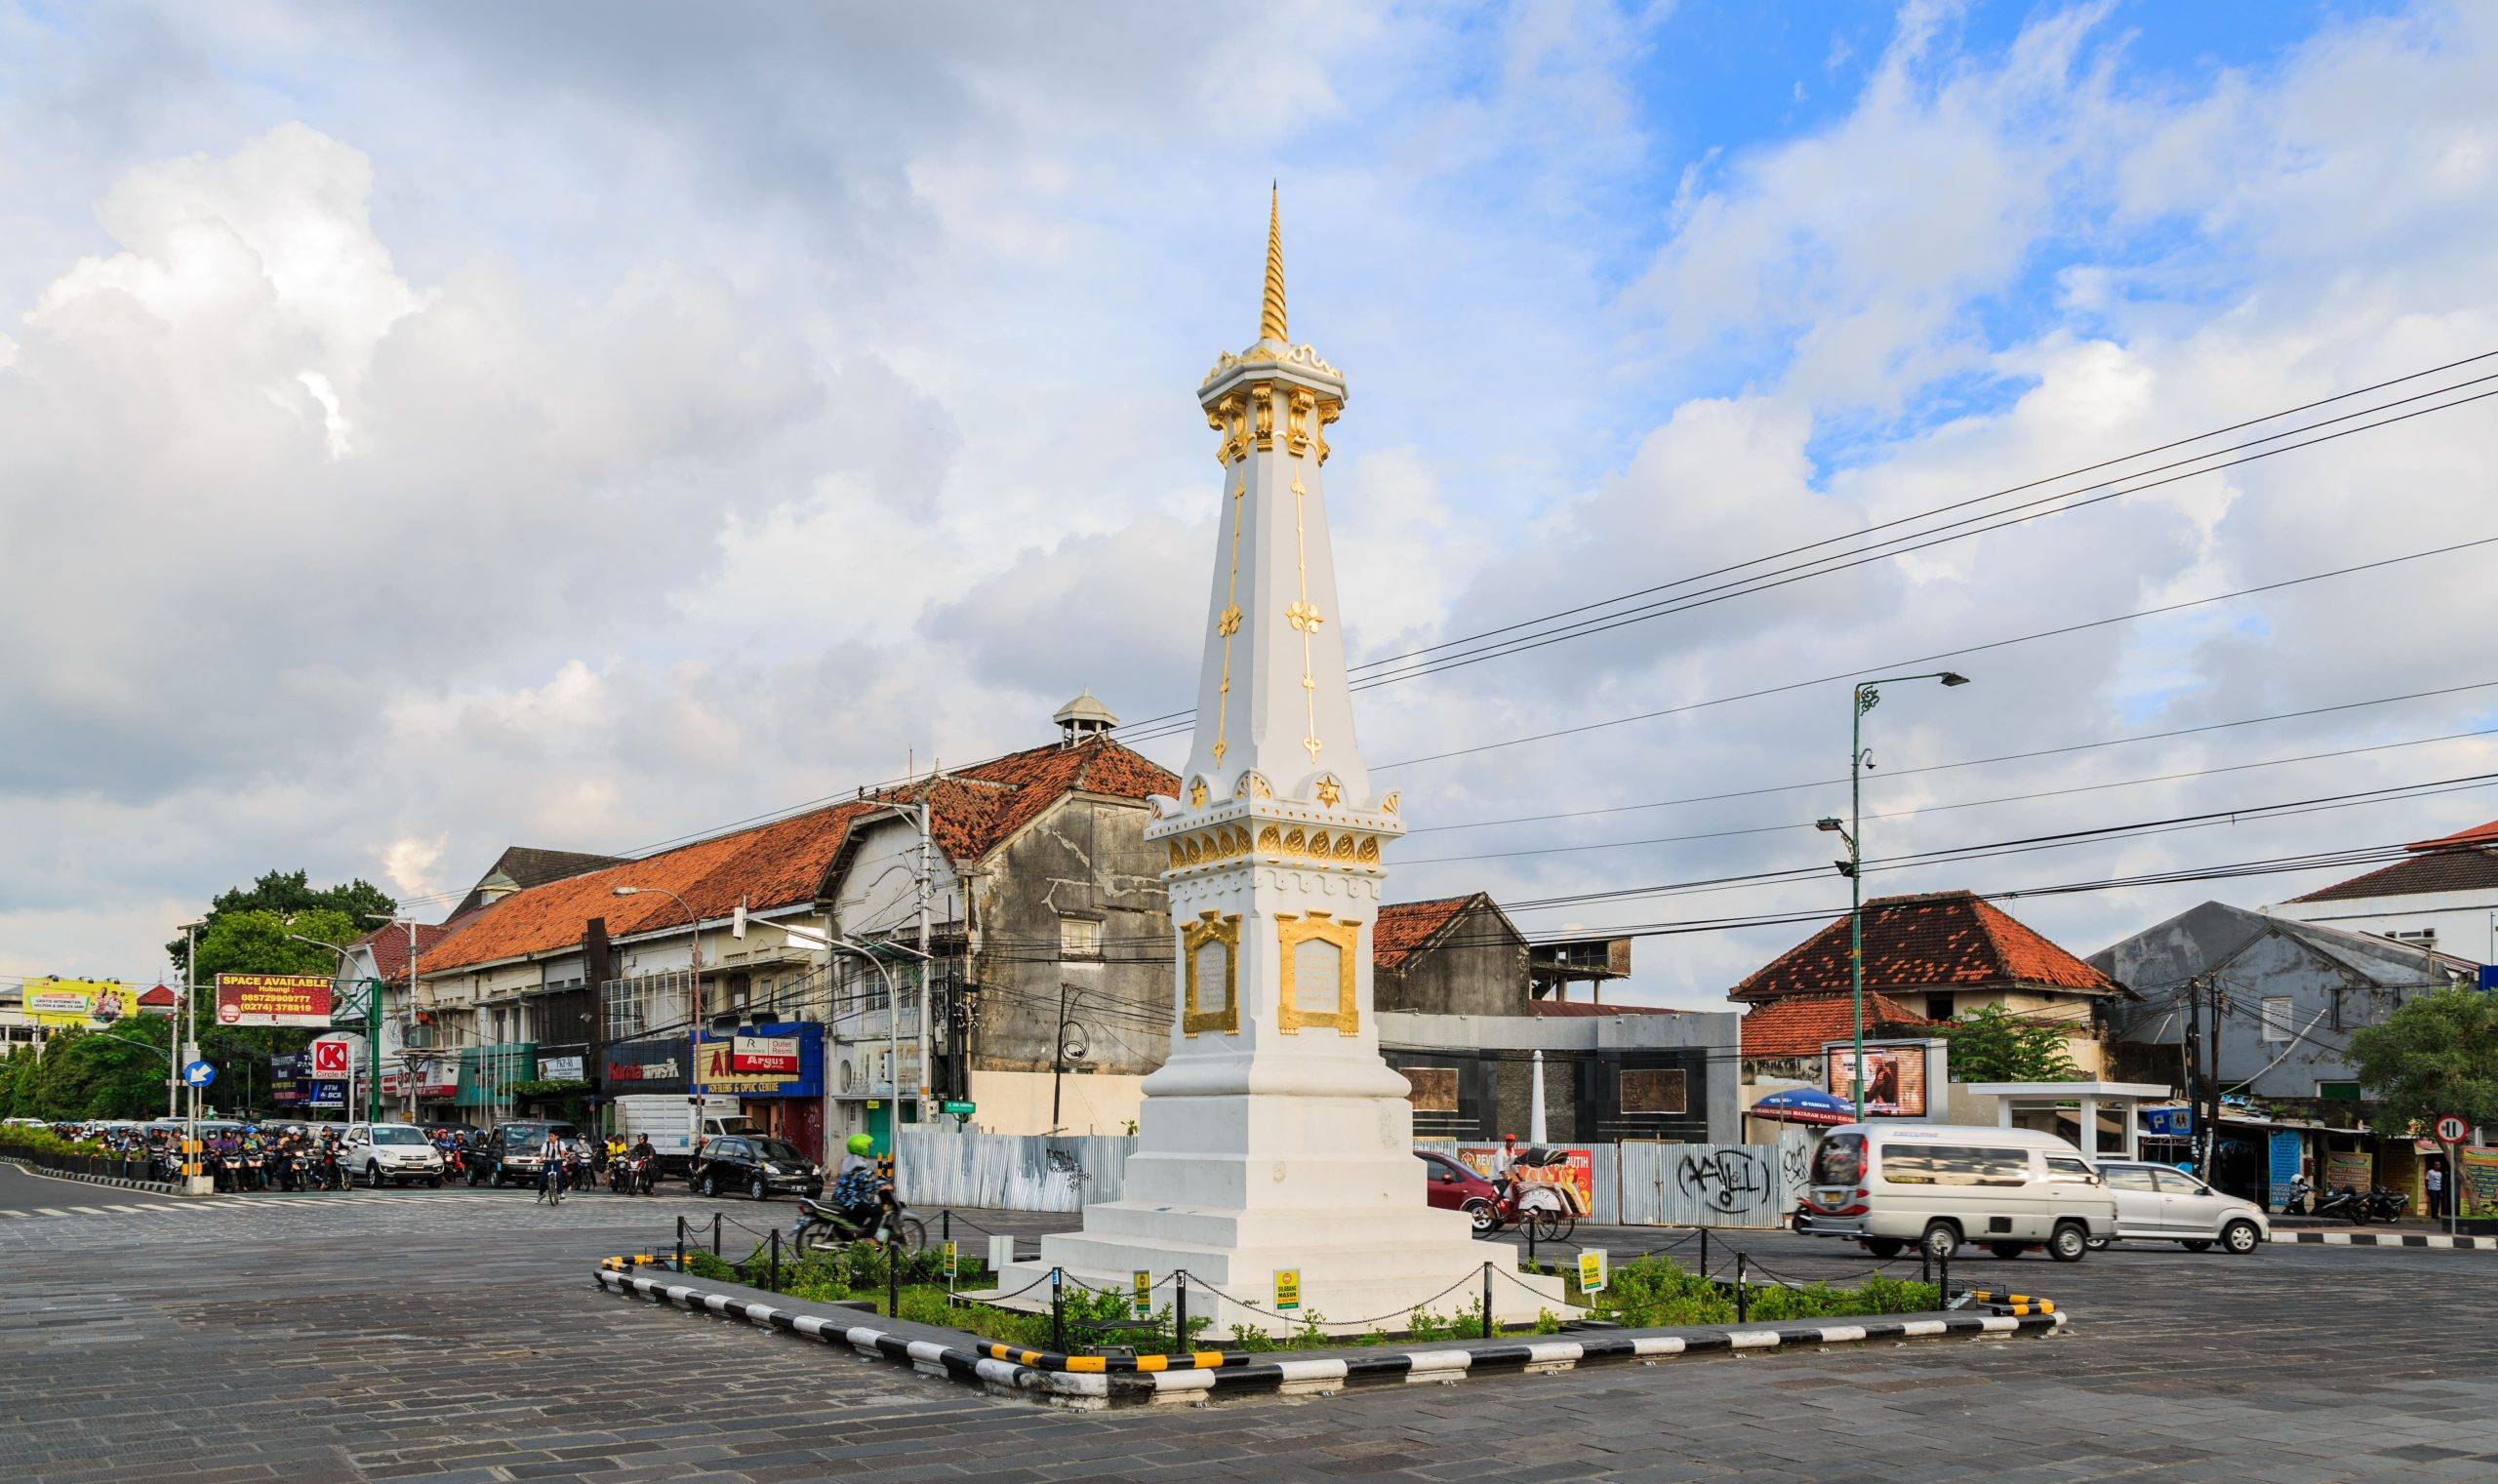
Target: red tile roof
(783, 863)
(2466, 869)
(1797, 1025)
(2478, 834)
(1935, 941)
(158, 997)
(389, 945)
(1406, 926)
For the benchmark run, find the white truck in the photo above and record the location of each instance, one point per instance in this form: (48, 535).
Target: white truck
(666, 1118)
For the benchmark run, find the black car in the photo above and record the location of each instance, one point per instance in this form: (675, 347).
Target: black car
(759, 1165)
(512, 1152)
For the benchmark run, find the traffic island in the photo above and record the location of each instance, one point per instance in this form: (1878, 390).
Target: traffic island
(1093, 1382)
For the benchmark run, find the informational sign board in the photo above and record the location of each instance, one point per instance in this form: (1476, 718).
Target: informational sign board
(1141, 1305)
(79, 1003)
(1287, 1288)
(775, 1055)
(952, 1262)
(272, 999)
(1894, 1079)
(561, 1068)
(2352, 1169)
(2477, 1181)
(1593, 1273)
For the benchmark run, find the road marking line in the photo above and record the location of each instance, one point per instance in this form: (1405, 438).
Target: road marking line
(51, 1211)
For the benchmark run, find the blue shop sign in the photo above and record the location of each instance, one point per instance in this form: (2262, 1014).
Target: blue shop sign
(718, 1079)
(327, 1095)
(2168, 1122)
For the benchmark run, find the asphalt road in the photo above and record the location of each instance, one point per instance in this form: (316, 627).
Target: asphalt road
(454, 1336)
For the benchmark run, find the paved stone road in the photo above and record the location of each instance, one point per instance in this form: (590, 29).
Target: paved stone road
(444, 1337)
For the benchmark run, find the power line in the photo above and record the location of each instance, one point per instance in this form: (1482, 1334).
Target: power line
(1949, 654)
(1910, 814)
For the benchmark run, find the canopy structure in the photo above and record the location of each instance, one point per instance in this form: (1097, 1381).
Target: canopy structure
(1804, 1104)
(2088, 1098)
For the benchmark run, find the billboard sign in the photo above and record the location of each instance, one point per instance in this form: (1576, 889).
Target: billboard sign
(717, 1073)
(1574, 1174)
(778, 1055)
(1894, 1079)
(84, 1004)
(273, 999)
(333, 1057)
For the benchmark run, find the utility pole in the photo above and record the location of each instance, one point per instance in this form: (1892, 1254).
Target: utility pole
(1058, 1051)
(2208, 1131)
(926, 885)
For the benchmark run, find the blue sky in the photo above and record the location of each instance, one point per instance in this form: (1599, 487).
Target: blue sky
(576, 427)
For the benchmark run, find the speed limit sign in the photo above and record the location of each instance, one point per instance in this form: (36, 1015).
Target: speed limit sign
(2451, 1130)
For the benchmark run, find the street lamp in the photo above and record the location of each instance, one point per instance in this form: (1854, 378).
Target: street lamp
(694, 1016)
(373, 1049)
(1860, 761)
(809, 938)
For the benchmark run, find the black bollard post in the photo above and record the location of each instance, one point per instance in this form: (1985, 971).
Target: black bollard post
(1703, 1252)
(680, 1244)
(774, 1283)
(1925, 1264)
(715, 1233)
(1180, 1313)
(1943, 1279)
(1743, 1297)
(1530, 1241)
(1058, 1313)
(893, 1281)
(946, 1224)
(1487, 1300)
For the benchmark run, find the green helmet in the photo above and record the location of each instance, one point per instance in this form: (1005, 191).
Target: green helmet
(862, 1144)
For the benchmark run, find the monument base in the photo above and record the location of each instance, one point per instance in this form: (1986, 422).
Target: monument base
(1358, 1272)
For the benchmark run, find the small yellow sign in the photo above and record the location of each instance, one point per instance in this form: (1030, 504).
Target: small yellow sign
(949, 1260)
(1593, 1272)
(1287, 1288)
(1144, 1300)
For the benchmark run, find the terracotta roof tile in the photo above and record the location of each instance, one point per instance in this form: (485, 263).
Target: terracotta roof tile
(2478, 834)
(1581, 1010)
(1797, 1025)
(1936, 940)
(2451, 869)
(782, 863)
(389, 945)
(1406, 926)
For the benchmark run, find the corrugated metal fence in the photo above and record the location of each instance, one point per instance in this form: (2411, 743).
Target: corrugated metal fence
(1011, 1171)
(1634, 1185)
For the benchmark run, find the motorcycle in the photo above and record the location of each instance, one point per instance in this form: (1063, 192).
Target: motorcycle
(2301, 1195)
(821, 1226)
(2345, 1204)
(639, 1175)
(2384, 1205)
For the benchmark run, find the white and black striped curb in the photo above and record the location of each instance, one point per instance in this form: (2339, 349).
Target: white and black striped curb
(161, 1187)
(2386, 1239)
(1447, 1363)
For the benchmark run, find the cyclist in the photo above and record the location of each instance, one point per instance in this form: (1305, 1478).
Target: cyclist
(551, 1169)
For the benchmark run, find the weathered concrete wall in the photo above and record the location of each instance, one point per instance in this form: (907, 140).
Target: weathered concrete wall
(1481, 970)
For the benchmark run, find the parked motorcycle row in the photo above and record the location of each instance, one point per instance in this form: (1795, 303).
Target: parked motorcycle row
(2346, 1203)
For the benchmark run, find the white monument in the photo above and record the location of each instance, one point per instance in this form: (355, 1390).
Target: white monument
(1275, 1139)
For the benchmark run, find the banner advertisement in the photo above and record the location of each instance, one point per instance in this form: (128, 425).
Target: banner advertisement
(2351, 1169)
(654, 1065)
(1894, 1079)
(719, 1074)
(777, 1055)
(80, 1004)
(2476, 1182)
(564, 1068)
(1574, 1175)
(273, 999)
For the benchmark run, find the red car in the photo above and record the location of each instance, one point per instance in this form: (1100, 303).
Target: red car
(1452, 1186)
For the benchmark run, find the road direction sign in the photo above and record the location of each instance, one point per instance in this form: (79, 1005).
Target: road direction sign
(198, 1074)
(958, 1109)
(2451, 1130)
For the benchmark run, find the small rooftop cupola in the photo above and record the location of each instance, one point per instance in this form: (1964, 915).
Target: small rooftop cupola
(1083, 718)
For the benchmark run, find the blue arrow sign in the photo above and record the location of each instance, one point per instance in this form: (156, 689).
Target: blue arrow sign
(198, 1074)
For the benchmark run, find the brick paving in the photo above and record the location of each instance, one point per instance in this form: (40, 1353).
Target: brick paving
(455, 1341)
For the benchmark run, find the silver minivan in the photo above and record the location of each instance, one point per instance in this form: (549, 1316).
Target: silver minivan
(2009, 1191)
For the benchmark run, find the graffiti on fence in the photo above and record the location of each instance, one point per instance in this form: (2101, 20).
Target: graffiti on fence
(1795, 1159)
(1728, 1178)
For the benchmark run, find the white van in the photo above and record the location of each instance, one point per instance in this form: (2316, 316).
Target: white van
(2009, 1191)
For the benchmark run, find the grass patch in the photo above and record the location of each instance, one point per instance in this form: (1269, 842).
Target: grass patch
(1645, 1292)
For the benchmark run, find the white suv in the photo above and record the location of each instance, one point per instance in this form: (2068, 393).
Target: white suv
(397, 1152)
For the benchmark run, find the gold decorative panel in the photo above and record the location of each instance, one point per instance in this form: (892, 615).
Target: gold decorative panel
(1317, 973)
(1211, 951)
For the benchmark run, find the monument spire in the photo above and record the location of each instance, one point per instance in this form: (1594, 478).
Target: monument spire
(1275, 1137)
(1271, 317)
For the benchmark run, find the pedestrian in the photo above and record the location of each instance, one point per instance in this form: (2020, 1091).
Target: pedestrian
(2435, 1177)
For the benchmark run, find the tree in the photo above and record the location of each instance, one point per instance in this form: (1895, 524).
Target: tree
(1989, 1044)
(2436, 1053)
(288, 893)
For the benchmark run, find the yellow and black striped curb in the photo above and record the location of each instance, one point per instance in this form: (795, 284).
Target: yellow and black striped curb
(622, 1264)
(1098, 1381)
(2013, 1304)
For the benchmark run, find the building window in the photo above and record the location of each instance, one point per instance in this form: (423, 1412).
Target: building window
(1937, 1006)
(1079, 937)
(1653, 1090)
(2278, 1011)
(2426, 938)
